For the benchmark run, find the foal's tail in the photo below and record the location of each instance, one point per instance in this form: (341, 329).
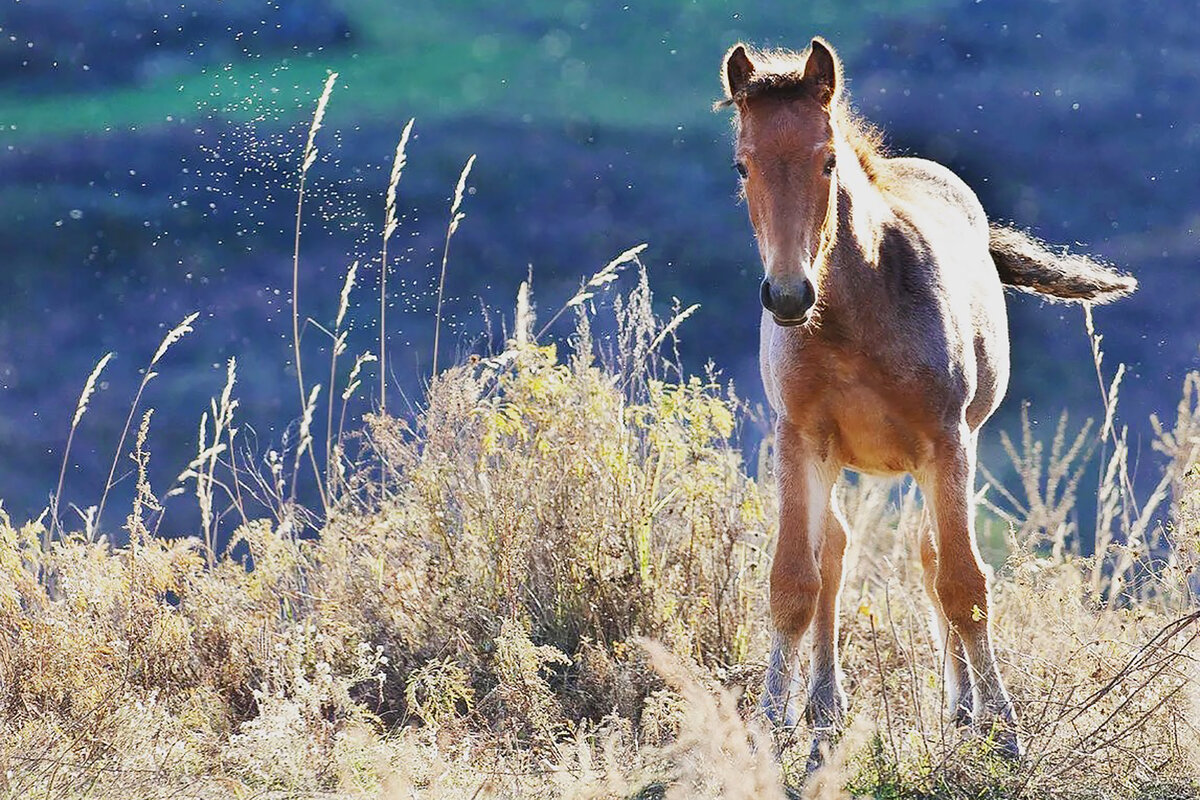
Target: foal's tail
(1029, 265)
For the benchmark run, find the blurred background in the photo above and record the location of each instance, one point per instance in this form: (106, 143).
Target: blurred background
(149, 155)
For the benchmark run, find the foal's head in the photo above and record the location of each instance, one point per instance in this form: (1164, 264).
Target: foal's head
(784, 150)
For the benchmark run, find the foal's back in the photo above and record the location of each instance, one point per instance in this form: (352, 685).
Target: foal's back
(934, 206)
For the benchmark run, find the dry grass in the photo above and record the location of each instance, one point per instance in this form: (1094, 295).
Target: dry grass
(550, 582)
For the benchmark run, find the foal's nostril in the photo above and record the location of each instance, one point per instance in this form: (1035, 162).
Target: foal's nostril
(788, 306)
(808, 297)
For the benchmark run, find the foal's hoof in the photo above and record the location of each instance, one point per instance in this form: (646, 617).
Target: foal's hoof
(821, 744)
(1007, 744)
(963, 717)
(1003, 740)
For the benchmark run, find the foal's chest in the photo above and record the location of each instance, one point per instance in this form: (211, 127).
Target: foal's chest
(855, 412)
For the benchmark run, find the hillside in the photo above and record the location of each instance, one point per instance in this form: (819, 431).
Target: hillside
(161, 180)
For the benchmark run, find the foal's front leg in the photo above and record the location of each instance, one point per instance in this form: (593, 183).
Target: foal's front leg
(826, 711)
(797, 594)
(961, 584)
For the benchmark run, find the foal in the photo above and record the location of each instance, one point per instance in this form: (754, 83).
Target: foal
(884, 348)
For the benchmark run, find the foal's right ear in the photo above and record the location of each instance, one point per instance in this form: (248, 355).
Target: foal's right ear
(738, 71)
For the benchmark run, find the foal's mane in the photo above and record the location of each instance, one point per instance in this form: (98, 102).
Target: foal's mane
(779, 73)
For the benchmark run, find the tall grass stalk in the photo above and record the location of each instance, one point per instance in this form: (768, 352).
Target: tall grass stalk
(173, 336)
(598, 281)
(672, 326)
(143, 497)
(390, 224)
(336, 349)
(310, 157)
(353, 381)
(1108, 393)
(85, 397)
(456, 217)
(305, 439)
(1116, 491)
(203, 469)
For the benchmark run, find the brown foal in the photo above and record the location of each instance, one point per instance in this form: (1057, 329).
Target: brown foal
(884, 348)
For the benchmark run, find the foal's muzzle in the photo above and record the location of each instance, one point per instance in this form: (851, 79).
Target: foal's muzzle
(789, 305)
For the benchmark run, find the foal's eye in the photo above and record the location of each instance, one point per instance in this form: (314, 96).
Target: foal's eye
(829, 165)
(740, 166)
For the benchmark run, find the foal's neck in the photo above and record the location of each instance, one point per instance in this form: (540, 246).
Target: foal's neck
(861, 211)
(851, 281)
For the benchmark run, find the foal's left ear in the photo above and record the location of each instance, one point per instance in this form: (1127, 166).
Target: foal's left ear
(823, 70)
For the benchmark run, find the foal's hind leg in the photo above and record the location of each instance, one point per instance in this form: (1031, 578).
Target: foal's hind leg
(804, 486)
(961, 584)
(959, 692)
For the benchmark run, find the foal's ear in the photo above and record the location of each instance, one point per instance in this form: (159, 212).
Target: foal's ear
(738, 71)
(823, 70)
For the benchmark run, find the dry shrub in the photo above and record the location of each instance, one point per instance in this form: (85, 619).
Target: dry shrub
(546, 500)
(484, 574)
(1104, 695)
(130, 669)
